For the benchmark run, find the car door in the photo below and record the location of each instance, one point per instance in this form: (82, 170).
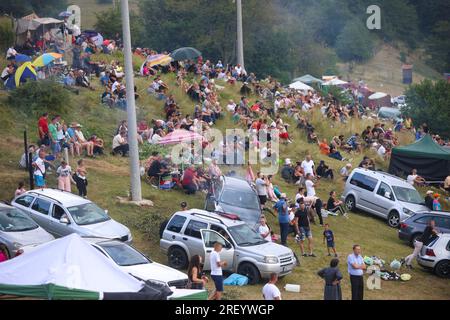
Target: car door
(60, 227)
(40, 212)
(209, 238)
(192, 237)
(384, 199)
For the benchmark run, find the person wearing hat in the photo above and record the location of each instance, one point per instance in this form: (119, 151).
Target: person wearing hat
(287, 171)
(283, 218)
(436, 203)
(429, 200)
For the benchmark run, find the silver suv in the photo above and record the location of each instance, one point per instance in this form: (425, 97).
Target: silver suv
(62, 213)
(383, 195)
(194, 232)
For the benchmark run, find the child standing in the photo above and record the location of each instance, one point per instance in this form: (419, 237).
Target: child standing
(64, 173)
(328, 236)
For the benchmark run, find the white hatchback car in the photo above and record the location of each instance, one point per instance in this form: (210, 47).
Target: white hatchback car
(133, 262)
(436, 256)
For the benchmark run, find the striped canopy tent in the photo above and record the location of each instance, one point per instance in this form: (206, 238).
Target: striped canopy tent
(180, 136)
(24, 72)
(155, 60)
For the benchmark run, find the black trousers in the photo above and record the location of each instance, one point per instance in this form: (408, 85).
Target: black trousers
(318, 206)
(122, 149)
(81, 185)
(357, 283)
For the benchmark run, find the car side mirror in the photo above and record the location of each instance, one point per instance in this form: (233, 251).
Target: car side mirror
(64, 220)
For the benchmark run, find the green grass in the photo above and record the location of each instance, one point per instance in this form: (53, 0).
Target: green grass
(108, 178)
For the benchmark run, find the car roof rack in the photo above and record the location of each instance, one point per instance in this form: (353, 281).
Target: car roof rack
(45, 196)
(208, 217)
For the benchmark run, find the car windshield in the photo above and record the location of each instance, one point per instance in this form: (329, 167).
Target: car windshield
(123, 254)
(246, 200)
(408, 195)
(244, 236)
(88, 213)
(13, 220)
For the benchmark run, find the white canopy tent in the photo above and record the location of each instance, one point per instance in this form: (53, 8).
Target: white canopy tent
(334, 82)
(298, 85)
(68, 262)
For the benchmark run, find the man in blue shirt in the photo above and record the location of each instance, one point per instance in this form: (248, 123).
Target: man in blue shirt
(283, 217)
(356, 267)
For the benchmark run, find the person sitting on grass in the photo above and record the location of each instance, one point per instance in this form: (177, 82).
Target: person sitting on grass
(335, 205)
(324, 171)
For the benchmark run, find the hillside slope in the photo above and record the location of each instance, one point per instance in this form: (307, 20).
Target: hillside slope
(108, 178)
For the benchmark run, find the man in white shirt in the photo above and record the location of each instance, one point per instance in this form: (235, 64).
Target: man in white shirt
(264, 230)
(261, 189)
(216, 271)
(345, 171)
(270, 290)
(120, 144)
(39, 170)
(231, 107)
(310, 186)
(382, 151)
(308, 165)
(414, 178)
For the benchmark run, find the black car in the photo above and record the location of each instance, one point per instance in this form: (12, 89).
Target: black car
(413, 227)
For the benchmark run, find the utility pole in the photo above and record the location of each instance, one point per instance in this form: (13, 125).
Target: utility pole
(136, 192)
(240, 37)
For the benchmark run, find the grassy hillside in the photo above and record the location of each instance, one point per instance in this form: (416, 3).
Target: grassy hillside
(108, 178)
(384, 71)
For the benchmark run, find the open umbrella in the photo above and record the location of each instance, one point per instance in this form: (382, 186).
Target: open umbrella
(377, 95)
(46, 58)
(22, 58)
(186, 53)
(156, 60)
(24, 72)
(179, 136)
(65, 14)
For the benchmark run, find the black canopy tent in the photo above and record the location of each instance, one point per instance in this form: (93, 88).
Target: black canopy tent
(430, 159)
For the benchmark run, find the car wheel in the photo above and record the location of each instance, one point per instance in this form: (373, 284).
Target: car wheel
(177, 258)
(250, 271)
(4, 249)
(442, 269)
(350, 203)
(393, 219)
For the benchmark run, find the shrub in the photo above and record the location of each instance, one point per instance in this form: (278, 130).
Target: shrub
(147, 149)
(6, 34)
(35, 97)
(148, 225)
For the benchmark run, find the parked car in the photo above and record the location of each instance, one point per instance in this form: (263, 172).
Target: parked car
(399, 101)
(62, 213)
(194, 232)
(436, 256)
(388, 113)
(18, 230)
(236, 196)
(413, 227)
(134, 262)
(383, 195)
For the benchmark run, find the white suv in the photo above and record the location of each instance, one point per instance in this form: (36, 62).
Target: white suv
(62, 213)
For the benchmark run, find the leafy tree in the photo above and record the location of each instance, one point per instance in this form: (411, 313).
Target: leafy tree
(438, 45)
(109, 23)
(18, 8)
(355, 42)
(429, 102)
